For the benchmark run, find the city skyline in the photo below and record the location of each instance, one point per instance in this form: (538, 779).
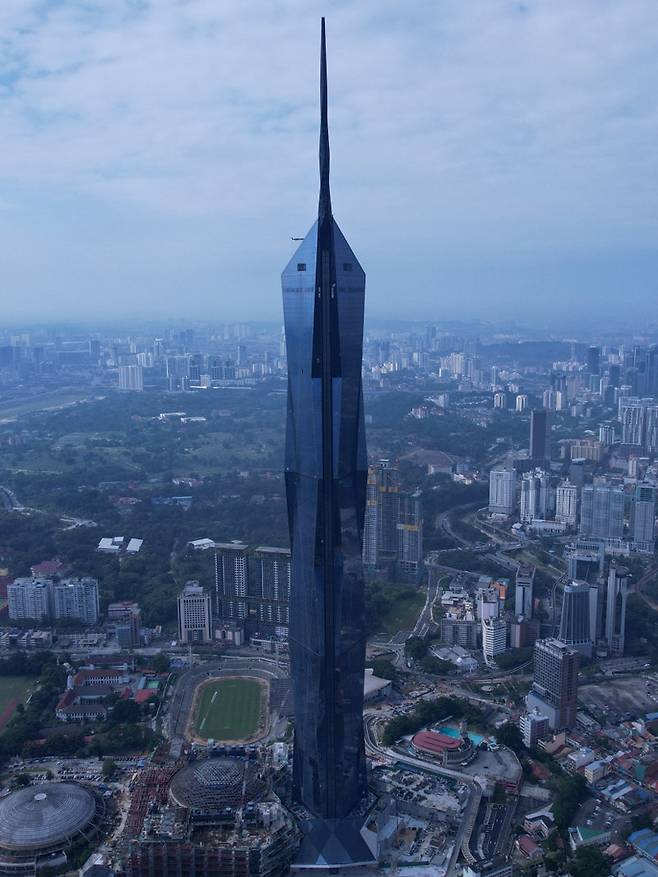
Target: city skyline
(138, 141)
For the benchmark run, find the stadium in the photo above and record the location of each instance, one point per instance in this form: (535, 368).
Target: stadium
(41, 825)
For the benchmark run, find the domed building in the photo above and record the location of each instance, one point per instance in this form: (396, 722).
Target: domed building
(212, 784)
(40, 825)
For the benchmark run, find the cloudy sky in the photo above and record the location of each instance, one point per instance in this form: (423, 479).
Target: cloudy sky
(489, 157)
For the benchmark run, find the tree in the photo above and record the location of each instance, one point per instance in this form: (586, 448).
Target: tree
(416, 648)
(109, 766)
(126, 712)
(435, 666)
(510, 736)
(589, 862)
(160, 663)
(384, 669)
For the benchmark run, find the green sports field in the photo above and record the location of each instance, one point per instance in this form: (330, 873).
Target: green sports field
(13, 690)
(228, 709)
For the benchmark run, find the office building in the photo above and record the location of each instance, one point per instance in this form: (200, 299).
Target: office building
(554, 690)
(539, 437)
(30, 599)
(602, 511)
(585, 560)
(326, 472)
(488, 603)
(126, 619)
(575, 620)
(131, 377)
(231, 581)
(566, 504)
(643, 516)
(502, 491)
(410, 537)
(494, 637)
(534, 727)
(194, 614)
(615, 619)
(271, 596)
(76, 599)
(535, 496)
(459, 631)
(380, 534)
(523, 595)
(594, 360)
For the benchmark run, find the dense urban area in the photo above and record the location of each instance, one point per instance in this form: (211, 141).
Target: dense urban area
(511, 685)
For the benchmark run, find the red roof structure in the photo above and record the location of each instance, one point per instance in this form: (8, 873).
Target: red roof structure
(434, 742)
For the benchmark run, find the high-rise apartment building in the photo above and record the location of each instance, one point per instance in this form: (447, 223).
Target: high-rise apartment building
(602, 511)
(643, 516)
(535, 496)
(380, 540)
(410, 537)
(30, 599)
(194, 614)
(494, 637)
(131, 377)
(615, 619)
(523, 595)
(231, 581)
(566, 503)
(554, 692)
(502, 491)
(576, 619)
(540, 451)
(639, 422)
(326, 473)
(76, 599)
(271, 597)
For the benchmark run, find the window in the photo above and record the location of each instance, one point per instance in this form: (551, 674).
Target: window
(347, 266)
(301, 266)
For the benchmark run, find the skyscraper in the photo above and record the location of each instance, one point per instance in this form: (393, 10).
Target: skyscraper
(554, 691)
(539, 443)
(643, 516)
(231, 581)
(615, 618)
(382, 515)
(131, 377)
(523, 596)
(325, 472)
(535, 496)
(566, 503)
(502, 491)
(271, 598)
(194, 614)
(575, 621)
(602, 511)
(410, 537)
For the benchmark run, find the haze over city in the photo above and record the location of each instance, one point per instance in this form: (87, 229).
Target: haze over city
(491, 159)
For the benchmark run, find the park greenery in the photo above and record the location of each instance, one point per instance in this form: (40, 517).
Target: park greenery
(429, 712)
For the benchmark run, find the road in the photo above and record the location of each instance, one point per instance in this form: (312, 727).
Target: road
(425, 619)
(9, 500)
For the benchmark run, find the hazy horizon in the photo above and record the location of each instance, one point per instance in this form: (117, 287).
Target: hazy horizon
(491, 159)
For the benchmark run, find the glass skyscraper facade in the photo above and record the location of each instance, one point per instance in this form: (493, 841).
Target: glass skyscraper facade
(326, 471)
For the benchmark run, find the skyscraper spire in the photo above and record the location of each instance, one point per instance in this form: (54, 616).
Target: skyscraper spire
(324, 207)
